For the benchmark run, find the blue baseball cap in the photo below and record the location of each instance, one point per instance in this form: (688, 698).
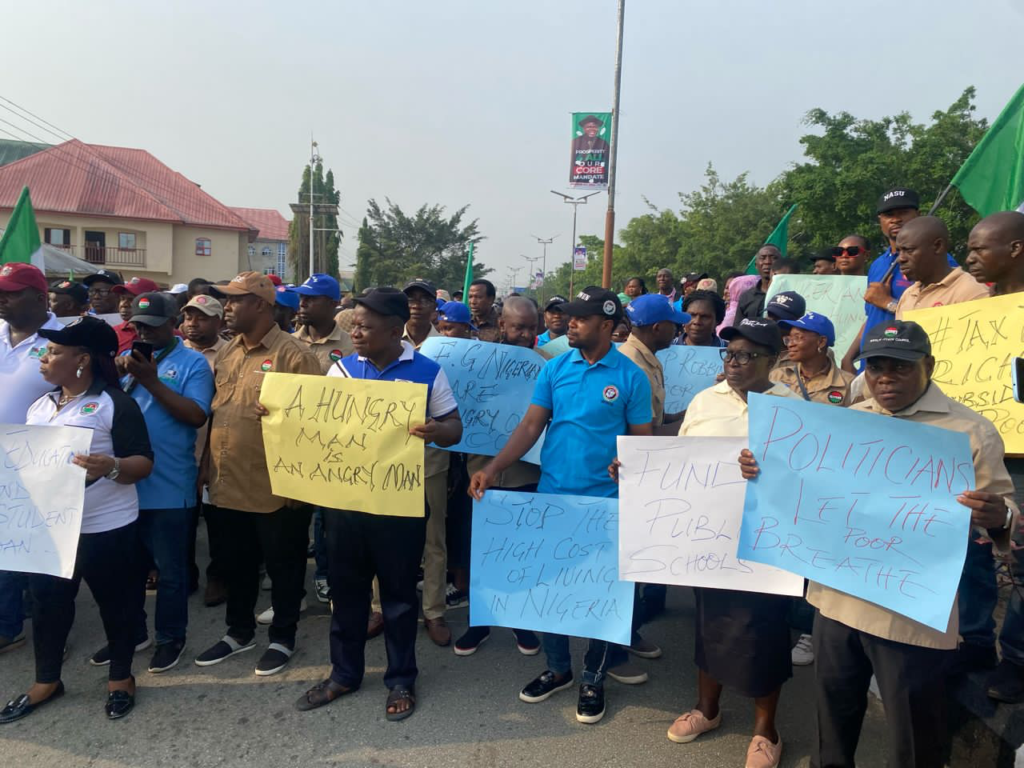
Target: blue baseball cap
(786, 305)
(288, 297)
(653, 308)
(320, 285)
(456, 312)
(814, 323)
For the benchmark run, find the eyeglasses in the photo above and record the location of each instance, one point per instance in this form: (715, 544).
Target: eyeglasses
(422, 299)
(741, 358)
(850, 250)
(99, 291)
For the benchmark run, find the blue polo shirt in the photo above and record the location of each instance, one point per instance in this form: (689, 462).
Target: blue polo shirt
(591, 405)
(172, 484)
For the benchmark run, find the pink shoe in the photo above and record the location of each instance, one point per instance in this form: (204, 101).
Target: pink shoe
(689, 725)
(763, 754)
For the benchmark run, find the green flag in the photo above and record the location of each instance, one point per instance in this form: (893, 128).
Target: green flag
(21, 238)
(469, 276)
(992, 178)
(779, 238)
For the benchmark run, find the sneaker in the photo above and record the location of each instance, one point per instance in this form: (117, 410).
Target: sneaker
(274, 659)
(689, 725)
(628, 674)
(1006, 683)
(322, 589)
(102, 657)
(590, 707)
(267, 617)
(265, 585)
(763, 754)
(527, 642)
(455, 598)
(473, 638)
(10, 643)
(803, 652)
(645, 649)
(543, 687)
(223, 649)
(167, 655)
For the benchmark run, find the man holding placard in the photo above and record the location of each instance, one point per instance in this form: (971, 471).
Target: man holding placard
(362, 545)
(854, 638)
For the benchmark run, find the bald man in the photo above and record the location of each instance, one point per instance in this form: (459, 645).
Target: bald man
(518, 322)
(923, 244)
(996, 252)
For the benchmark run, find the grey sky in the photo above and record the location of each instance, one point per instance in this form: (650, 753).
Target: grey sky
(468, 101)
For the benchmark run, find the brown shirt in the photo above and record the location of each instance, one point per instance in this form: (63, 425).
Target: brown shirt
(955, 288)
(831, 387)
(435, 460)
(487, 326)
(210, 353)
(328, 349)
(239, 478)
(938, 410)
(646, 361)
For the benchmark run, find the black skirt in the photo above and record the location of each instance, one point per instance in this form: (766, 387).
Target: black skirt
(742, 639)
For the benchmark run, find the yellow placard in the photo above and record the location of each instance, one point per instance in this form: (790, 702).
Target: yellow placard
(974, 345)
(345, 443)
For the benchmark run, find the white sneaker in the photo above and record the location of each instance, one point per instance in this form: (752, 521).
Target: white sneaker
(267, 617)
(803, 651)
(265, 585)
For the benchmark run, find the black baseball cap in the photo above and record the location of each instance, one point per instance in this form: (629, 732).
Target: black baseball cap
(554, 304)
(786, 305)
(90, 333)
(896, 198)
(76, 291)
(153, 309)
(823, 256)
(104, 276)
(694, 277)
(594, 300)
(386, 301)
(422, 284)
(900, 340)
(762, 332)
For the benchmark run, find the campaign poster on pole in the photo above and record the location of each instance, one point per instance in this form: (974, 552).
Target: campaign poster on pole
(579, 258)
(591, 149)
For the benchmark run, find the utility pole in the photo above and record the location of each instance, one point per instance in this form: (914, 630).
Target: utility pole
(575, 202)
(513, 271)
(313, 158)
(544, 263)
(315, 209)
(609, 220)
(531, 260)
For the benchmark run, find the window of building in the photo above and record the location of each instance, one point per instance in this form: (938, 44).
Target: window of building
(252, 251)
(203, 246)
(265, 253)
(269, 271)
(282, 255)
(53, 236)
(126, 241)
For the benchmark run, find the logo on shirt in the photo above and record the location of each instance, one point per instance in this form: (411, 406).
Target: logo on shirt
(37, 352)
(610, 394)
(143, 303)
(89, 408)
(266, 365)
(891, 332)
(335, 355)
(835, 397)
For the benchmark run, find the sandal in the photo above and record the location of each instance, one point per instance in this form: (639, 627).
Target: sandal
(397, 695)
(323, 693)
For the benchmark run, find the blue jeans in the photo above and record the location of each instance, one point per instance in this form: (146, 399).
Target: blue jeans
(12, 608)
(978, 595)
(319, 544)
(164, 534)
(601, 656)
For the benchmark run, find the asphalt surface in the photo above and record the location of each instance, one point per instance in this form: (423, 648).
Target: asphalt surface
(468, 710)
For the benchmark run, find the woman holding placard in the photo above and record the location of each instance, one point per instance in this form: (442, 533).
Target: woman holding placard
(742, 638)
(79, 362)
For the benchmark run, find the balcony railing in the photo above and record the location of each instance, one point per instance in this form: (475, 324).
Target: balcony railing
(109, 257)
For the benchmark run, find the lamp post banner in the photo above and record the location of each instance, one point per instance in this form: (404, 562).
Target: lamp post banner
(591, 150)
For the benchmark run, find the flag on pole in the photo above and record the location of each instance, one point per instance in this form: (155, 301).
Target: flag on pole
(469, 275)
(992, 177)
(21, 238)
(779, 238)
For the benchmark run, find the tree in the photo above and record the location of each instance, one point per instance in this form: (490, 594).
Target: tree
(326, 237)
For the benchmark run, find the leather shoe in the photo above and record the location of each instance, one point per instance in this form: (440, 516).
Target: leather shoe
(438, 631)
(20, 707)
(216, 593)
(323, 693)
(375, 625)
(119, 704)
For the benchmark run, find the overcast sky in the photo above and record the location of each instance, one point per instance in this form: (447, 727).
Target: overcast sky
(467, 101)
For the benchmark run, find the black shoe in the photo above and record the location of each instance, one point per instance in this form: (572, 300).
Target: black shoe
(167, 655)
(1006, 684)
(590, 708)
(20, 707)
(119, 704)
(527, 642)
(473, 638)
(274, 659)
(223, 649)
(102, 657)
(544, 687)
(970, 658)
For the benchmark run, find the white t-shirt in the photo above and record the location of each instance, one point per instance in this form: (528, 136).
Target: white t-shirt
(21, 384)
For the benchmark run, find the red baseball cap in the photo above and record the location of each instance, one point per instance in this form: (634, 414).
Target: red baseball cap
(274, 279)
(137, 286)
(18, 276)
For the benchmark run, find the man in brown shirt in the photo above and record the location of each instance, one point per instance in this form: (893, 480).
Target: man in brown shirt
(655, 323)
(481, 303)
(236, 465)
(923, 244)
(318, 330)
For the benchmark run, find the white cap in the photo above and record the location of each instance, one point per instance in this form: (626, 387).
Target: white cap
(178, 288)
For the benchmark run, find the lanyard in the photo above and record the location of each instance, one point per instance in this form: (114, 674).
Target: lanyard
(130, 386)
(800, 381)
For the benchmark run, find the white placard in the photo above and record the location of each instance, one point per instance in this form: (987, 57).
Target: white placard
(680, 508)
(41, 497)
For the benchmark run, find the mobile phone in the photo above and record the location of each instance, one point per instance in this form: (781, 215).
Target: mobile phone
(1018, 379)
(144, 348)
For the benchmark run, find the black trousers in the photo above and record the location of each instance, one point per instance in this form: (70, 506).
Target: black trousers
(280, 539)
(359, 547)
(911, 680)
(109, 563)
(218, 534)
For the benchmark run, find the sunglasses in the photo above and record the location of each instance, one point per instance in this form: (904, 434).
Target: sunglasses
(851, 250)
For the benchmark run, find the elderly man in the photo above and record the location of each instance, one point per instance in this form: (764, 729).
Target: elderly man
(751, 305)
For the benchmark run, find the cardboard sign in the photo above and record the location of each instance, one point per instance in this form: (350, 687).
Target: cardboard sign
(840, 298)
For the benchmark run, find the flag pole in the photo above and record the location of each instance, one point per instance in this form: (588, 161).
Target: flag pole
(469, 275)
(939, 199)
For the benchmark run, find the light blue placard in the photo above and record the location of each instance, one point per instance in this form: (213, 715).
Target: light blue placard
(557, 347)
(688, 370)
(493, 384)
(549, 563)
(863, 503)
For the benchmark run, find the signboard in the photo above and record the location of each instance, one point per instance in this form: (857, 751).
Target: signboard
(840, 298)
(591, 150)
(688, 370)
(579, 258)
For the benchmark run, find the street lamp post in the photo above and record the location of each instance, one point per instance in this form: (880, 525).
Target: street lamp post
(544, 263)
(531, 260)
(575, 202)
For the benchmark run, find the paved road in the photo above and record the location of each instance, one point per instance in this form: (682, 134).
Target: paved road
(469, 713)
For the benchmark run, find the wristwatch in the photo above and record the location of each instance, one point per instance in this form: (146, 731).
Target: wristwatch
(116, 471)
(891, 307)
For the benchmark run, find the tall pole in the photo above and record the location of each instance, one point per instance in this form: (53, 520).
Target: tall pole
(544, 263)
(572, 272)
(609, 219)
(312, 170)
